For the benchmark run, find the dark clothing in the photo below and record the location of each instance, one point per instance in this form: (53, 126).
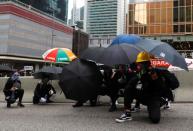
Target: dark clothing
(18, 93)
(113, 86)
(150, 89)
(9, 84)
(42, 90)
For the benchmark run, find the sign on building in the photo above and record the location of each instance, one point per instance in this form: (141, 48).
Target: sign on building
(29, 68)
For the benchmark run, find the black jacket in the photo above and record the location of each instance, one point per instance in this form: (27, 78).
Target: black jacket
(152, 87)
(42, 89)
(9, 84)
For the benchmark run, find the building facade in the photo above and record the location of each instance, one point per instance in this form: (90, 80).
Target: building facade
(165, 20)
(56, 8)
(26, 34)
(104, 19)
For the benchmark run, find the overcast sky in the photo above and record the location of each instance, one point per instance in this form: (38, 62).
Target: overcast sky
(79, 3)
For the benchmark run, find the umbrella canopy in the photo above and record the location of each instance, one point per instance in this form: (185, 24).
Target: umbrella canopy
(163, 50)
(80, 80)
(5, 68)
(131, 39)
(92, 53)
(51, 72)
(119, 54)
(59, 55)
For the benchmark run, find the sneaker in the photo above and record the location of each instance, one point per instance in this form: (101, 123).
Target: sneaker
(20, 105)
(124, 117)
(167, 105)
(135, 109)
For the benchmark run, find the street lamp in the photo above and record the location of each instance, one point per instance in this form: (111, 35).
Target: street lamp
(53, 13)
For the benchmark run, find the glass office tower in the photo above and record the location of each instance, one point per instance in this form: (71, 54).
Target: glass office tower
(160, 17)
(56, 8)
(167, 20)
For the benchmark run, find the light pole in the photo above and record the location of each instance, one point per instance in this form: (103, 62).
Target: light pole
(52, 37)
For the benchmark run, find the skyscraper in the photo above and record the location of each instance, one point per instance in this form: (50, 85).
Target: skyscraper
(165, 20)
(105, 18)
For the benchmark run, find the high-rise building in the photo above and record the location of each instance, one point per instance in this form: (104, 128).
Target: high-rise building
(77, 15)
(56, 8)
(104, 19)
(166, 20)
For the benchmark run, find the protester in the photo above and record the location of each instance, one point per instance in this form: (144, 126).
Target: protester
(43, 91)
(13, 90)
(149, 94)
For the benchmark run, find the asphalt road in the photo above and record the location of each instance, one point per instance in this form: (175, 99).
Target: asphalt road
(63, 117)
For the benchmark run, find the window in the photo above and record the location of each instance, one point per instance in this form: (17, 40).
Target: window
(188, 13)
(175, 14)
(175, 28)
(182, 14)
(182, 28)
(188, 28)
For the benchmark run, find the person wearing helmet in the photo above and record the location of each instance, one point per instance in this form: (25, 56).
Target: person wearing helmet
(148, 94)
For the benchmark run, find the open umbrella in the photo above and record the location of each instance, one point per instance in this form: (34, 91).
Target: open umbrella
(80, 80)
(59, 55)
(92, 53)
(159, 49)
(163, 50)
(51, 72)
(119, 54)
(5, 68)
(131, 39)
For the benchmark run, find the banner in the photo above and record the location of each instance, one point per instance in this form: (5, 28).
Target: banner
(159, 63)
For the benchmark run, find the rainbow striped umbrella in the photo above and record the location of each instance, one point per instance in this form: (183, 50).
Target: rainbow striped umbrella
(59, 55)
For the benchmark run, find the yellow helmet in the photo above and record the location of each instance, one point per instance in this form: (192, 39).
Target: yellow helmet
(143, 56)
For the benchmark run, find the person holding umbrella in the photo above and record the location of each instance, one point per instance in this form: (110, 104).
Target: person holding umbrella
(149, 94)
(43, 91)
(13, 90)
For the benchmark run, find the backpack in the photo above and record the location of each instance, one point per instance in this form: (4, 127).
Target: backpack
(171, 79)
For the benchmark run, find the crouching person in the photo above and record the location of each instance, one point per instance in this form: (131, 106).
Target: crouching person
(43, 91)
(13, 90)
(150, 92)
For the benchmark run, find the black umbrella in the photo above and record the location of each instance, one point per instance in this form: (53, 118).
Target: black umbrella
(119, 54)
(80, 80)
(5, 68)
(163, 50)
(51, 72)
(92, 53)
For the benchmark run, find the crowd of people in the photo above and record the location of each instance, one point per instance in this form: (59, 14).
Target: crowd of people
(140, 81)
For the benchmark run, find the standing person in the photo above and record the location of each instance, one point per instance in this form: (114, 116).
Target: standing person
(43, 91)
(13, 90)
(149, 94)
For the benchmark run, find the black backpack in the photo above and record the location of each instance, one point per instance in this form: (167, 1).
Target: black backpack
(171, 79)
